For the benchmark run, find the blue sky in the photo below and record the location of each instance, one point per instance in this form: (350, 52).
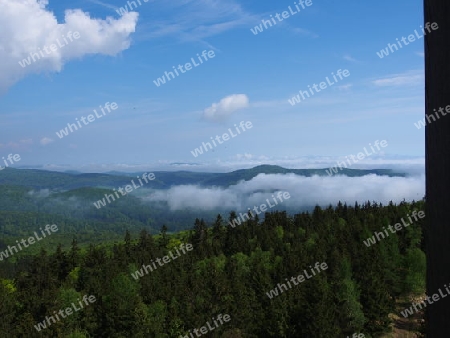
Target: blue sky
(251, 78)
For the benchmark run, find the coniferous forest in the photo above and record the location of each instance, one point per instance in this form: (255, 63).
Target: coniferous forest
(230, 270)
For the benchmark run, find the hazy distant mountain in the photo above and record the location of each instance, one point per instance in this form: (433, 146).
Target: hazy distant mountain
(234, 177)
(63, 197)
(42, 179)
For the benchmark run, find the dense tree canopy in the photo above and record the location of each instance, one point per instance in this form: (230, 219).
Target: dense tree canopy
(229, 271)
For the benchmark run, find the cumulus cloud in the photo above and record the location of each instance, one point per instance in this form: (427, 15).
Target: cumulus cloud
(304, 191)
(28, 27)
(221, 111)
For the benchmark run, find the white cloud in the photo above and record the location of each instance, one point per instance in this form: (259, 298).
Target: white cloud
(304, 191)
(196, 20)
(305, 32)
(103, 4)
(413, 77)
(40, 193)
(46, 141)
(244, 156)
(349, 58)
(345, 87)
(27, 27)
(20, 145)
(228, 105)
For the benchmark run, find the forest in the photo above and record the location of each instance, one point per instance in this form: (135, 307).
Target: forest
(33, 197)
(229, 271)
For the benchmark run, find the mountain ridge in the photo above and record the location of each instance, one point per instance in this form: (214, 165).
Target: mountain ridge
(45, 179)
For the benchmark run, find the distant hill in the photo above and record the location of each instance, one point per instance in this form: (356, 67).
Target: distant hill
(31, 197)
(42, 179)
(234, 177)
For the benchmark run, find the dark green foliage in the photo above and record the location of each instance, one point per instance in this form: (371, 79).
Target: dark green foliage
(229, 271)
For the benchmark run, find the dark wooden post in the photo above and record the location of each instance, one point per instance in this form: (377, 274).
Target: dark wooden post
(437, 165)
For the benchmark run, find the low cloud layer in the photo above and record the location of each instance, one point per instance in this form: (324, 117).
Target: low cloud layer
(304, 191)
(222, 110)
(27, 27)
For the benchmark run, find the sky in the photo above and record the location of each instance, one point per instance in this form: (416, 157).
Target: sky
(116, 56)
